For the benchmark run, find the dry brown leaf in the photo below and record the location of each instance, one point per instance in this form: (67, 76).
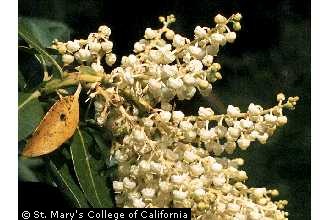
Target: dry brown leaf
(58, 125)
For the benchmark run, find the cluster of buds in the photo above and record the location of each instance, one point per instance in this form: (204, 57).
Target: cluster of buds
(167, 159)
(166, 65)
(88, 51)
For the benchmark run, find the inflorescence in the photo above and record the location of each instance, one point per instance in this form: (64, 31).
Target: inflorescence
(165, 158)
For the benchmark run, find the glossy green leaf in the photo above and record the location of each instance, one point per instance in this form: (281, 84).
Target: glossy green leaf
(28, 30)
(46, 30)
(66, 182)
(86, 163)
(30, 113)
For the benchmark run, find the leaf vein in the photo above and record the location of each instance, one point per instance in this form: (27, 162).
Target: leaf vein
(89, 168)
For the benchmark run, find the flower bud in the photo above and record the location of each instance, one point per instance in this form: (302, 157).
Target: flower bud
(164, 186)
(189, 156)
(169, 34)
(270, 118)
(165, 116)
(254, 109)
(156, 167)
(243, 143)
(263, 138)
(207, 60)
(230, 37)
(73, 46)
(234, 132)
(217, 38)
(148, 193)
(189, 79)
(282, 120)
(218, 180)
(233, 111)
(207, 135)
(179, 195)
(156, 56)
(237, 17)
(67, 59)
(94, 47)
(154, 84)
(177, 116)
(196, 51)
(280, 97)
(203, 84)
(219, 19)
(178, 179)
(246, 123)
(178, 41)
(205, 112)
(237, 26)
(259, 192)
(174, 83)
(144, 166)
(197, 169)
(199, 193)
(83, 55)
(186, 125)
(216, 167)
(105, 31)
(150, 34)
(200, 32)
(138, 47)
(107, 46)
(110, 59)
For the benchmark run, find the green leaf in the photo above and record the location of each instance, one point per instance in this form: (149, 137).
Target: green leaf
(104, 148)
(46, 30)
(30, 113)
(28, 50)
(27, 29)
(27, 169)
(87, 167)
(101, 143)
(65, 181)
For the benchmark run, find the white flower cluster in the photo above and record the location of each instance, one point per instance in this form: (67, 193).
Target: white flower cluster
(88, 52)
(230, 130)
(167, 159)
(167, 65)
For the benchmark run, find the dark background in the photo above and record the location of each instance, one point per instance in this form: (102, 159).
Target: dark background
(271, 54)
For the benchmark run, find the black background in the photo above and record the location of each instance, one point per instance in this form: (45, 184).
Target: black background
(271, 54)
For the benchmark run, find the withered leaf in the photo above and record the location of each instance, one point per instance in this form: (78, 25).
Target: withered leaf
(58, 125)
